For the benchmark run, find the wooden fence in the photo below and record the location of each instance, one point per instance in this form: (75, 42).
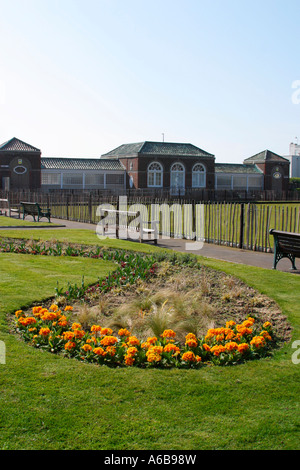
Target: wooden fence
(234, 224)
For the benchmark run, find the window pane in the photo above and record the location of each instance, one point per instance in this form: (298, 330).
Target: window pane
(223, 181)
(50, 178)
(240, 182)
(94, 180)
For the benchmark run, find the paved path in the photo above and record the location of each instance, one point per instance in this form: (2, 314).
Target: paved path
(233, 255)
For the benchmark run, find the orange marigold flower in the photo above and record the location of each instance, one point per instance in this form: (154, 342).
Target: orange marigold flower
(124, 332)
(265, 334)
(106, 331)
(243, 347)
(70, 345)
(63, 323)
(44, 331)
(151, 340)
(86, 347)
(249, 322)
(191, 343)
(198, 358)
(217, 350)
(68, 335)
(258, 342)
(79, 334)
(230, 323)
(36, 310)
(267, 324)
(99, 352)
(189, 356)
(206, 347)
(27, 321)
(18, 313)
(76, 326)
(96, 328)
(232, 346)
(131, 351)
(109, 340)
(54, 308)
(68, 308)
(129, 360)
(152, 357)
(172, 348)
(48, 316)
(111, 350)
(133, 341)
(168, 334)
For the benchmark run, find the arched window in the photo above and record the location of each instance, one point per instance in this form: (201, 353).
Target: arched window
(199, 176)
(177, 179)
(155, 175)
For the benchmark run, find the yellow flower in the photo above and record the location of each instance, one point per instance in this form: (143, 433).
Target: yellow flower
(86, 347)
(54, 308)
(267, 324)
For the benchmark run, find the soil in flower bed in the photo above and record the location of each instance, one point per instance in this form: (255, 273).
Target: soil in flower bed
(183, 298)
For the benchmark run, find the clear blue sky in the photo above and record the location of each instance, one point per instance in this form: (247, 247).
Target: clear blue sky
(81, 77)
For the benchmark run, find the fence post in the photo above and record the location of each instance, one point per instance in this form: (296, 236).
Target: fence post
(241, 227)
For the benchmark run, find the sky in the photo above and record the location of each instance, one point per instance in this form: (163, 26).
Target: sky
(78, 78)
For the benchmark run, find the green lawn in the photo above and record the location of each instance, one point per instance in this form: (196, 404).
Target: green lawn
(11, 222)
(48, 402)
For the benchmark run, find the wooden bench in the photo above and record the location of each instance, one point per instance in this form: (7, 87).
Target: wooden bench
(286, 245)
(5, 207)
(34, 209)
(142, 226)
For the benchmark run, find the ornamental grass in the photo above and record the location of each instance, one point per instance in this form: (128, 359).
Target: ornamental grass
(53, 330)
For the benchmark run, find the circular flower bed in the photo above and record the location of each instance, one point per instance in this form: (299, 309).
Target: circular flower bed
(52, 329)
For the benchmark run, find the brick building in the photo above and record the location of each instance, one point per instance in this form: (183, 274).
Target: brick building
(275, 169)
(175, 166)
(20, 165)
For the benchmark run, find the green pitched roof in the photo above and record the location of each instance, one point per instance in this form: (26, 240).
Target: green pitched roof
(237, 168)
(17, 145)
(81, 164)
(264, 156)
(157, 148)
